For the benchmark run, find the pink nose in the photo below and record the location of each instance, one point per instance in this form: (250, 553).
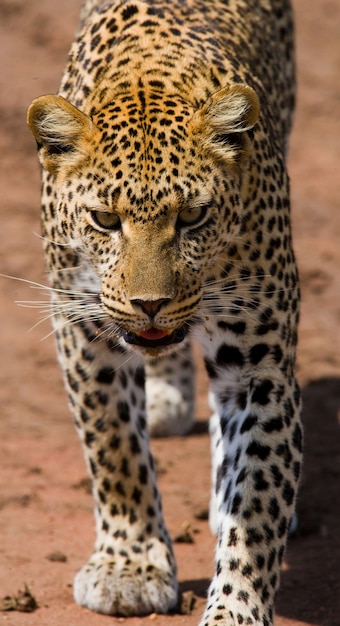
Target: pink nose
(151, 307)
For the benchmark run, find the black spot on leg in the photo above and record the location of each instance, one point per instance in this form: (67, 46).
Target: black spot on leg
(256, 615)
(273, 581)
(124, 468)
(228, 356)
(258, 352)
(243, 596)
(283, 450)
(248, 424)
(139, 377)
(254, 537)
(72, 382)
(269, 533)
(271, 559)
(247, 570)
(273, 424)
(105, 375)
(82, 373)
(114, 442)
(242, 476)
(296, 470)
(288, 493)
(93, 467)
(260, 483)
(282, 528)
(260, 561)
(84, 415)
(100, 425)
(224, 425)
(143, 474)
(233, 537)
(265, 594)
(257, 583)
(238, 328)
(150, 511)
(134, 444)
(281, 554)
(277, 354)
(236, 504)
(227, 590)
(119, 486)
(297, 439)
(89, 401)
(123, 411)
(262, 391)
(257, 449)
(274, 509)
(221, 472)
(89, 438)
(137, 495)
(277, 475)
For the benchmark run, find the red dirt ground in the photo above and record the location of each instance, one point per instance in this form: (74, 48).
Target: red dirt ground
(44, 507)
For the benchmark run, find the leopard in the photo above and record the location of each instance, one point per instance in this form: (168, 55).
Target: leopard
(166, 223)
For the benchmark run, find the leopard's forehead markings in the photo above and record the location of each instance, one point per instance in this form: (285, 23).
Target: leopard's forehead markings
(113, 43)
(143, 118)
(132, 197)
(146, 163)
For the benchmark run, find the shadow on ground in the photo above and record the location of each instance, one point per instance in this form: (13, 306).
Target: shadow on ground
(310, 588)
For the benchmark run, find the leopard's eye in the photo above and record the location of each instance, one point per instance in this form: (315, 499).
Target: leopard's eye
(191, 217)
(107, 221)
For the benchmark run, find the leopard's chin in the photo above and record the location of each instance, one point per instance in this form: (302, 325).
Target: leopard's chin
(154, 341)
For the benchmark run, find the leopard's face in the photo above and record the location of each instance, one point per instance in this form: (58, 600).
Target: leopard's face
(147, 199)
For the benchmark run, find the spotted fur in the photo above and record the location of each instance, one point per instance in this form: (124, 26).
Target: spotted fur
(165, 220)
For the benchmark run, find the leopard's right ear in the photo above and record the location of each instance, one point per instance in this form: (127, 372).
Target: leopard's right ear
(61, 131)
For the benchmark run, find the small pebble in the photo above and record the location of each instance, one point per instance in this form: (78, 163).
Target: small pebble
(56, 557)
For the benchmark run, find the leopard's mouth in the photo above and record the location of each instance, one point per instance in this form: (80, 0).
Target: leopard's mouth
(156, 337)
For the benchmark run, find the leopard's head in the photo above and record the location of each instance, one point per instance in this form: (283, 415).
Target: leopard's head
(148, 191)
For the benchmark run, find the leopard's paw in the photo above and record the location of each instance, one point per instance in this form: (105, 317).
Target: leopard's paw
(170, 412)
(125, 587)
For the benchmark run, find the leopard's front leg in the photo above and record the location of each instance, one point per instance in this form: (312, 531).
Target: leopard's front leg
(256, 443)
(132, 570)
(170, 394)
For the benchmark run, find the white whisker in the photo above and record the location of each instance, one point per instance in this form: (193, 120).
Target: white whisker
(55, 243)
(47, 288)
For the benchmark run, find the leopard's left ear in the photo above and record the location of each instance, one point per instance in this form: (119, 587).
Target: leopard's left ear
(60, 130)
(223, 121)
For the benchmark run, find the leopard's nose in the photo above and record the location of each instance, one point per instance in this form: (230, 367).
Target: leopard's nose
(151, 307)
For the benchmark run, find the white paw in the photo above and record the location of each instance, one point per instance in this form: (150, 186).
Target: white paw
(117, 586)
(169, 412)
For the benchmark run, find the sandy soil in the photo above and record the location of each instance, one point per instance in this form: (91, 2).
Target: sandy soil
(46, 525)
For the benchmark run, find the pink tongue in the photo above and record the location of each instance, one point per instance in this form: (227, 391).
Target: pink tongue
(153, 334)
